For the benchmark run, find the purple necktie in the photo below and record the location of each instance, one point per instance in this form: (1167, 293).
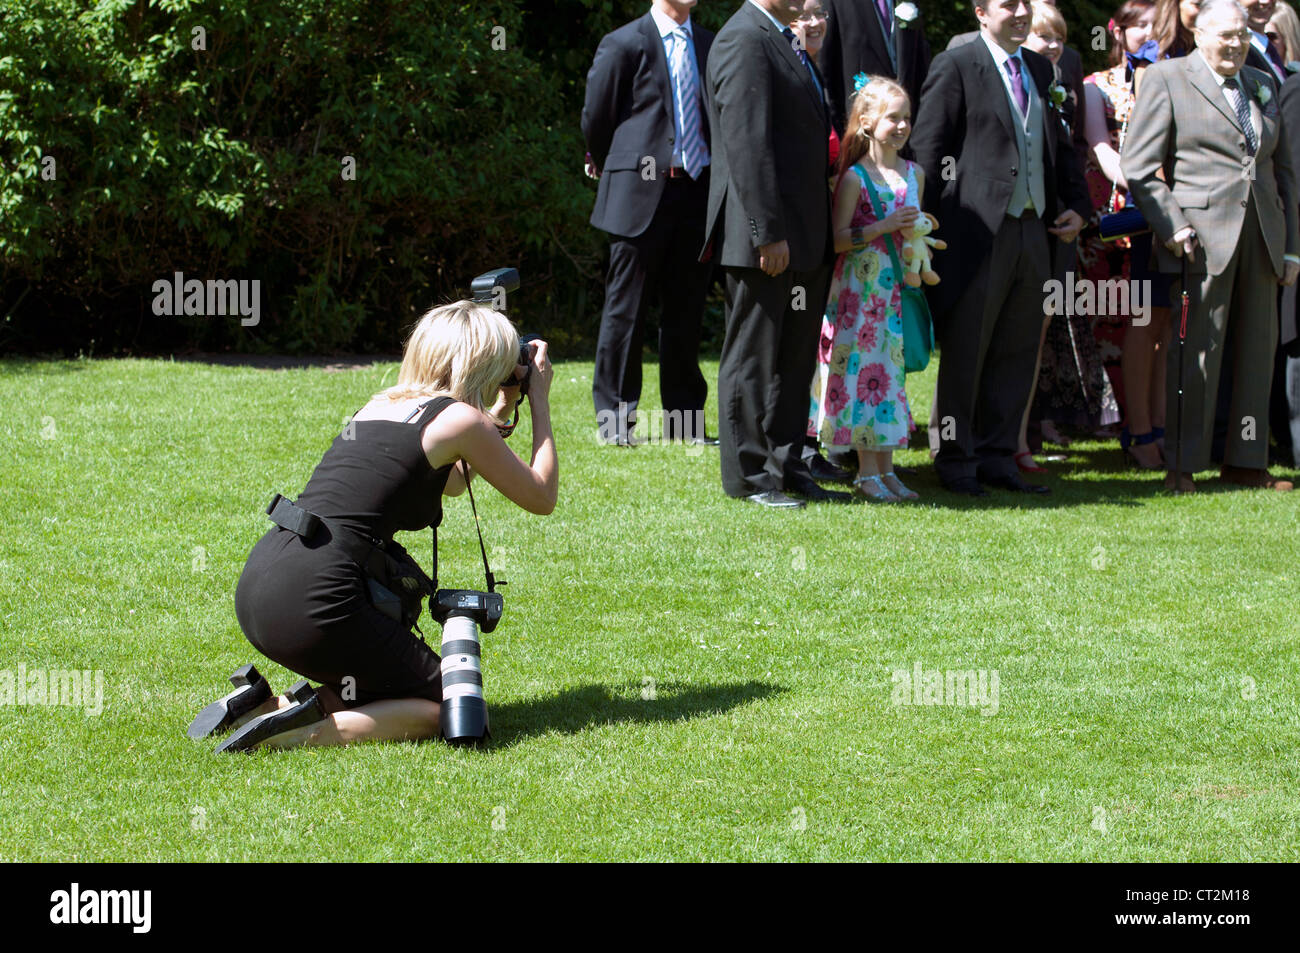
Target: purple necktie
(1018, 87)
(886, 15)
(1276, 57)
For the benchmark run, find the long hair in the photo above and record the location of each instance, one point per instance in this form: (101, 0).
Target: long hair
(1168, 31)
(1126, 16)
(1287, 24)
(868, 103)
(463, 350)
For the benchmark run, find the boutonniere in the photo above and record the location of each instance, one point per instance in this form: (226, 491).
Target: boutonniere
(1056, 94)
(1263, 94)
(906, 14)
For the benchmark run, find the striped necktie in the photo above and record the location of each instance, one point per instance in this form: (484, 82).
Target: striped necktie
(686, 92)
(803, 56)
(1242, 107)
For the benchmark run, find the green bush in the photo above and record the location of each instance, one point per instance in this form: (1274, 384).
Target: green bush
(220, 154)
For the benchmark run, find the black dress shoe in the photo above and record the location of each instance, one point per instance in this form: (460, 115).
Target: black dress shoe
(827, 472)
(1013, 482)
(251, 689)
(777, 500)
(966, 486)
(705, 441)
(307, 710)
(807, 488)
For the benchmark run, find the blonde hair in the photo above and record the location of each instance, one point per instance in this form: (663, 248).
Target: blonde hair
(1047, 17)
(1288, 28)
(463, 350)
(868, 104)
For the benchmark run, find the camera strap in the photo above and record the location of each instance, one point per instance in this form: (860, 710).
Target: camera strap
(487, 570)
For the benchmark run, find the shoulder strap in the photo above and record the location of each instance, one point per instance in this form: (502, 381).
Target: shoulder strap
(889, 236)
(492, 582)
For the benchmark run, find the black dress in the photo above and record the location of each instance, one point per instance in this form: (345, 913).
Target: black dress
(303, 603)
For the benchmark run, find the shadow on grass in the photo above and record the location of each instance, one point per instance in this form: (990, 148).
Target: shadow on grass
(41, 365)
(586, 706)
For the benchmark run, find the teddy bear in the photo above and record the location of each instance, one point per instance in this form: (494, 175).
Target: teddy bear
(916, 252)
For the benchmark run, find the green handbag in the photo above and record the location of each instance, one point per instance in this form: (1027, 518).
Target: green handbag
(918, 326)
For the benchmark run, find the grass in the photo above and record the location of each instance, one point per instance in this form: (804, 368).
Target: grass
(677, 676)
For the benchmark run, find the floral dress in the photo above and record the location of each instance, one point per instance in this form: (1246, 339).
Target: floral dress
(858, 398)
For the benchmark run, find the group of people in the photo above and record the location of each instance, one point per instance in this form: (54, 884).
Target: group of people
(798, 151)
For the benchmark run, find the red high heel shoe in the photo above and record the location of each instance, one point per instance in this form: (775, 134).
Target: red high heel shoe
(1027, 464)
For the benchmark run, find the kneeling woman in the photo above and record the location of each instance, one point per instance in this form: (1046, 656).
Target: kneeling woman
(302, 600)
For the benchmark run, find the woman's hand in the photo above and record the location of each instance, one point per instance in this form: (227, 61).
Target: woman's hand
(539, 386)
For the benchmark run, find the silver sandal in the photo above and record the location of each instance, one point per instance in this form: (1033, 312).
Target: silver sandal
(873, 488)
(896, 487)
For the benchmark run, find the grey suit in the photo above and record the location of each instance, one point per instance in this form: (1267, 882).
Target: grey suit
(1245, 217)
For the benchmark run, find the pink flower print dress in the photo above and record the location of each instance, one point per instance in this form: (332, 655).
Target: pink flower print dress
(858, 397)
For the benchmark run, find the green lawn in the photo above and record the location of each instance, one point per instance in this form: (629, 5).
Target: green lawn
(677, 676)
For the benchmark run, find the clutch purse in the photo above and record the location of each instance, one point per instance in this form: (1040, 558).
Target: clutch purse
(1125, 223)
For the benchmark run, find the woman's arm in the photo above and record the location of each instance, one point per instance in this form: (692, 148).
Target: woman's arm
(462, 433)
(1098, 136)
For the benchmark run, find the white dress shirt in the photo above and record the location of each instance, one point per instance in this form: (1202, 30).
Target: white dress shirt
(666, 26)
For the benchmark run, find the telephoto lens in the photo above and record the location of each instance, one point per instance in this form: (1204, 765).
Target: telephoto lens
(462, 613)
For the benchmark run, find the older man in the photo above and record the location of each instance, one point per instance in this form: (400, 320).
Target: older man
(1228, 201)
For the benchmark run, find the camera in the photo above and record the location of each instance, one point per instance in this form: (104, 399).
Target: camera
(463, 614)
(491, 288)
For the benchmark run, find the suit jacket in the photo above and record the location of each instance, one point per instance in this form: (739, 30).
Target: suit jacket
(1071, 78)
(1182, 123)
(855, 43)
(627, 116)
(1290, 104)
(771, 132)
(966, 131)
(1257, 60)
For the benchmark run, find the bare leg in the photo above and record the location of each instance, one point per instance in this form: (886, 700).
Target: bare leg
(1137, 363)
(869, 463)
(392, 719)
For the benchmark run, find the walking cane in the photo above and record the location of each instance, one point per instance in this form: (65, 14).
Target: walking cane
(1178, 427)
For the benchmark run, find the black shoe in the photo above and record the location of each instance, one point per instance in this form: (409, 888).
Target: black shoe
(901, 470)
(815, 494)
(826, 472)
(251, 689)
(705, 441)
(966, 486)
(1015, 484)
(307, 711)
(777, 500)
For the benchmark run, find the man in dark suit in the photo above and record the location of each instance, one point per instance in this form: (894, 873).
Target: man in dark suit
(648, 137)
(1003, 178)
(877, 38)
(1263, 53)
(1071, 70)
(769, 227)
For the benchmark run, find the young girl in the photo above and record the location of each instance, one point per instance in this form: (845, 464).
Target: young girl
(858, 397)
